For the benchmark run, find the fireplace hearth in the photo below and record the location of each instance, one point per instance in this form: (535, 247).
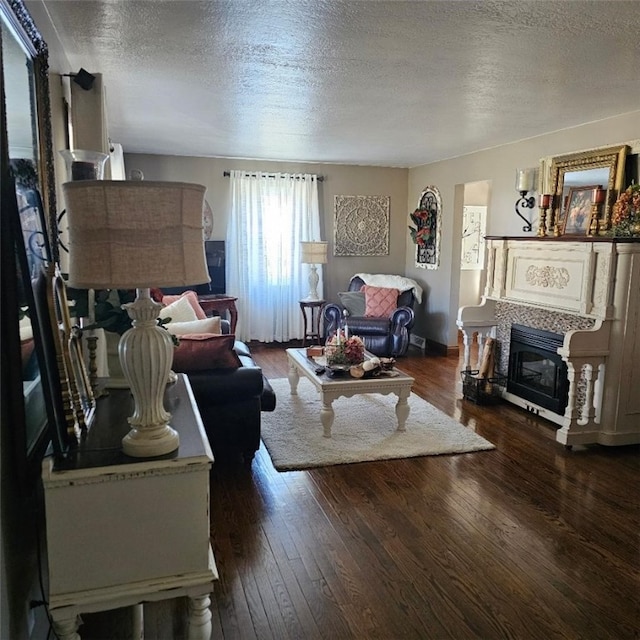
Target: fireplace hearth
(536, 372)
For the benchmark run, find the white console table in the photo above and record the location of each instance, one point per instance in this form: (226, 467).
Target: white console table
(122, 531)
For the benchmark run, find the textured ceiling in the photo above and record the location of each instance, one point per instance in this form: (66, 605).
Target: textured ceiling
(362, 82)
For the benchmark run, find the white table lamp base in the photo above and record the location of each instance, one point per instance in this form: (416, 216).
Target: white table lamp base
(146, 356)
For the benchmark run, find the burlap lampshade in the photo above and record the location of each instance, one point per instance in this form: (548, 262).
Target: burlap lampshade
(125, 235)
(314, 252)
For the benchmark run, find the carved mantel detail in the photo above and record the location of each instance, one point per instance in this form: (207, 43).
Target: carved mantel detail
(547, 277)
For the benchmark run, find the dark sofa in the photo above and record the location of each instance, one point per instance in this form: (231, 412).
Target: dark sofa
(230, 403)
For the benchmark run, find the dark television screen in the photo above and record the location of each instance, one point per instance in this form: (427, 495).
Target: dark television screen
(215, 256)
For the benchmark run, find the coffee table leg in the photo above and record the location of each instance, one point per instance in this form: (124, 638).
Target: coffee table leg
(326, 417)
(402, 411)
(294, 378)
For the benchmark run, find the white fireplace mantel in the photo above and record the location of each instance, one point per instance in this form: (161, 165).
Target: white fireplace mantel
(596, 279)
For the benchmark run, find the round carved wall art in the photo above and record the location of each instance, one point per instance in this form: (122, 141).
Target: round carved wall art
(361, 226)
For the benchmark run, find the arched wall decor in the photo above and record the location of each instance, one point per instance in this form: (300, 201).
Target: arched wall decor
(428, 249)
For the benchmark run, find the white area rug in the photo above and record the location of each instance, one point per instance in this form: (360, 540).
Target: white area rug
(364, 429)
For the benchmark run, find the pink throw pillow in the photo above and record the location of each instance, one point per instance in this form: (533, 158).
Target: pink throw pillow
(192, 297)
(200, 351)
(380, 302)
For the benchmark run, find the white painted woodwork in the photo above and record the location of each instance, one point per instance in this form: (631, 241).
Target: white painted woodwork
(135, 530)
(146, 355)
(598, 280)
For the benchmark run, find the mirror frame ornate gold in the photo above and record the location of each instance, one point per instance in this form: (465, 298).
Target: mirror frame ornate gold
(612, 157)
(17, 16)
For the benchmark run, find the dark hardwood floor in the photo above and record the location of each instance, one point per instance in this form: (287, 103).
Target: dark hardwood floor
(530, 540)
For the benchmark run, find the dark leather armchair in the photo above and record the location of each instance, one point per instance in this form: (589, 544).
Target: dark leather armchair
(386, 337)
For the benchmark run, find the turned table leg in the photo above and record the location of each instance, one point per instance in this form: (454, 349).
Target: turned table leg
(294, 378)
(402, 411)
(66, 628)
(137, 621)
(327, 416)
(199, 618)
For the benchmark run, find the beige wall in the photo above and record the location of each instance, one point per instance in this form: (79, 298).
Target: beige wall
(338, 180)
(436, 318)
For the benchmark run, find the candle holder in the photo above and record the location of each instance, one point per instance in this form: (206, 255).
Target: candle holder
(594, 221)
(554, 227)
(545, 200)
(84, 165)
(542, 224)
(525, 203)
(92, 347)
(598, 198)
(525, 181)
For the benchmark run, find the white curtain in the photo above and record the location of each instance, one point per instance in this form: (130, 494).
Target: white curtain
(270, 215)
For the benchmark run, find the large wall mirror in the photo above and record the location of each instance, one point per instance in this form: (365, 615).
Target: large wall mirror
(603, 167)
(28, 111)
(28, 221)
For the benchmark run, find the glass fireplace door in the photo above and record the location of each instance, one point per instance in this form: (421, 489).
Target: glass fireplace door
(536, 371)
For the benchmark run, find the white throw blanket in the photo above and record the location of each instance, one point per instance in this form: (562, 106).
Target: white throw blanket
(392, 282)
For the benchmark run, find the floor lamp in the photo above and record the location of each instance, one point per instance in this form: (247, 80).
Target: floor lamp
(138, 235)
(313, 253)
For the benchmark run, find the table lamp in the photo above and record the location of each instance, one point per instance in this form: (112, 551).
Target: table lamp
(313, 253)
(138, 235)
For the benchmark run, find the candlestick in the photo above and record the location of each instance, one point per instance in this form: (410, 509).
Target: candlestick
(542, 224)
(594, 225)
(553, 227)
(599, 195)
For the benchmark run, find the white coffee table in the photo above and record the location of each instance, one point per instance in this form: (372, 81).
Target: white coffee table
(331, 388)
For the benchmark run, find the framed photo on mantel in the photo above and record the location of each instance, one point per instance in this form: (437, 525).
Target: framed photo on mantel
(577, 211)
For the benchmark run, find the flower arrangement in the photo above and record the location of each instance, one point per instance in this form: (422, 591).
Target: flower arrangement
(344, 350)
(626, 213)
(423, 231)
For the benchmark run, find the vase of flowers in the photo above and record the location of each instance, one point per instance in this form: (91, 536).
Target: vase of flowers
(626, 213)
(344, 350)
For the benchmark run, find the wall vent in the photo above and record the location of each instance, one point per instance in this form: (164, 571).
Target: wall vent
(417, 341)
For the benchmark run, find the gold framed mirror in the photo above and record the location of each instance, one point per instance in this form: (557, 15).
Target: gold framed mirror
(29, 238)
(34, 110)
(603, 166)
